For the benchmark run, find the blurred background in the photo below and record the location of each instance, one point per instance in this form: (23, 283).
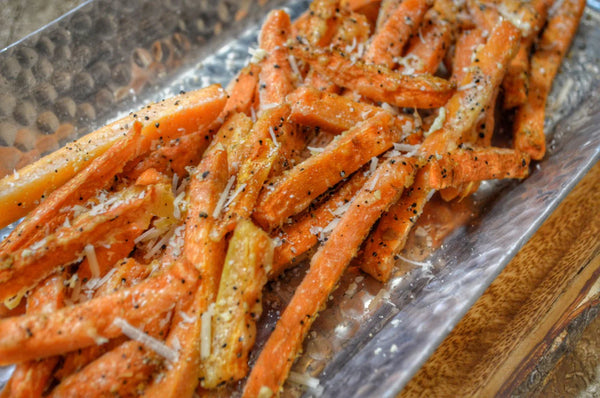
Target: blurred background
(21, 17)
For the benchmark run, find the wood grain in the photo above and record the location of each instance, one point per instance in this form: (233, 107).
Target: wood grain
(496, 343)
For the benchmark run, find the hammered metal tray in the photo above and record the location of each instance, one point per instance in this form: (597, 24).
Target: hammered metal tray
(107, 58)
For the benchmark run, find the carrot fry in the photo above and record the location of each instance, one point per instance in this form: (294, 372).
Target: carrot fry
(276, 76)
(466, 44)
(516, 82)
(173, 157)
(389, 237)
(294, 192)
(79, 189)
(555, 41)
(233, 135)
(328, 112)
(320, 82)
(327, 265)
(38, 336)
(352, 33)
(386, 8)
(356, 4)
(427, 49)
(389, 41)
(22, 269)
(241, 90)
(320, 24)
(238, 305)
(124, 370)
(303, 233)
(128, 273)
(274, 146)
(376, 82)
(472, 99)
(30, 379)
(463, 166)
(22, 191)
(206, 255)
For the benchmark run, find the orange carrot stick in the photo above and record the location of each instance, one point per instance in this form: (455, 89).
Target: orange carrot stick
(241, 90)
(122, 371)
(276, 77)
(38, 336)
(294, 192)
(30, 379)
(389, 237)
(186, 113)
(516, 82)
(303, 233)
(274, 145)
(376, 82)
(327, 265)
(427, 49)
(463, 166)
(206, 254)
(22, 269)
(466, 44)
(555, 41)
(128, 272)
(320, 23)
(476, 90)
(389, 41)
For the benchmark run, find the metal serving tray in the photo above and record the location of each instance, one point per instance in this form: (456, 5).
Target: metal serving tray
(107, 58)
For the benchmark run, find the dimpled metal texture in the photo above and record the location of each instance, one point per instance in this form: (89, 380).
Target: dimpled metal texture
(372, 337)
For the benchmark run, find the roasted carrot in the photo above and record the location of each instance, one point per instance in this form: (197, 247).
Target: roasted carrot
(22, 269)
(326, 267)
(294, 192)
(375, 81)
(476, 91)
(555, 41)
(124, 371)
(386, 8)
(30, 379)
(427, 49)
(38, 336)
(241, 90)
(356, 4)
(352, 33)
(206, 255)
(387, 240)
(320, 24)
(463, 166)
(46, 217)
(328, 112)
(171, 158)
(304, 232)
(516, 82)
(276, 78)
(466, 44)
(128, 272)
(21, 192)
(389, 41)
(238, 306)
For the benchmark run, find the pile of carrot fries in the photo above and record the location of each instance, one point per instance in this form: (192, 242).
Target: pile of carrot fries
(145, 246)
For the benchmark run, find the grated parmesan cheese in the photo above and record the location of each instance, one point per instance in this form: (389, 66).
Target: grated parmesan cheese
(223, 197)
(258, 54)
(438, 122)
(273, 136)
(90, 254)
(206, 332)
(138, 335)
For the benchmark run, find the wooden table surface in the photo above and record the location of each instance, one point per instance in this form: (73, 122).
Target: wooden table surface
(533, 333)
(521, 337)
